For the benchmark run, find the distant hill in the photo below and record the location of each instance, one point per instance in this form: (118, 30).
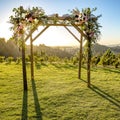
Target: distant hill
(114, 45)
(50, 51)
(9, 48)
(69, 51)
(96, 49)
(100, 49)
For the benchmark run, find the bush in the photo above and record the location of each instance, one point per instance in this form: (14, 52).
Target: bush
(9, 60)
(2, 59)
(38, 65)
(75, 60)
(116, 64)
(18, 60)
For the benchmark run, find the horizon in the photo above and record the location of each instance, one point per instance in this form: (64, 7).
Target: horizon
(57, 36)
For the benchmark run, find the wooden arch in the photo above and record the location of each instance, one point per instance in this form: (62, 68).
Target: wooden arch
(41, 32)
(64, 22)
(84, 22)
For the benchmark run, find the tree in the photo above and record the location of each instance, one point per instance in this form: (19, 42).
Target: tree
(2, 59)
(117, 61)
(3, 47)
(107, 58)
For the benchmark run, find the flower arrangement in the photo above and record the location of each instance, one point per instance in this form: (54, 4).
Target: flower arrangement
(88, 22)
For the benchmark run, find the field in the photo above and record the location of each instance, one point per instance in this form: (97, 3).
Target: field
(57, 93)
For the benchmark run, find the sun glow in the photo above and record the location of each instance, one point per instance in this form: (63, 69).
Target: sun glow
(55, 36)
(5, 31)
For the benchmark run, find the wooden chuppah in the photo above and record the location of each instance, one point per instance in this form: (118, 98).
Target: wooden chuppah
(29, 20)
(66, 27)
(77, 27)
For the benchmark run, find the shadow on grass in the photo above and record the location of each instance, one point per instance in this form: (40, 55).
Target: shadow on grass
(115, 70)
(24, 105)
(66, 66)
(104, 95)
(36, 102)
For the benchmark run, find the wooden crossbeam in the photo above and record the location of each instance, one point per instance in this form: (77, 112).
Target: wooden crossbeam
(32, 31)
(72, 34)
(39, 34)
(80, 31)
(59, 24)
(76, 26)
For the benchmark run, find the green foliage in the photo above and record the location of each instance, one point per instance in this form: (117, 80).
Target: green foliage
(117, 61)
(52, 59)
(107, 58)
(27, 58)
(95, 60)
(23, 21)
(5, 48)
(18, 60)
(9, 60)
(37, 65)
(74, 60)
(89, 22)
(40, 58)
(66, 60)
(2, 59)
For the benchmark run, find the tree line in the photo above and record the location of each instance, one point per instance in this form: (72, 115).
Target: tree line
(9, 49)
(107, 58)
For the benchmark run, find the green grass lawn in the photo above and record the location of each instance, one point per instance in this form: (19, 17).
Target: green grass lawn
(57, 94)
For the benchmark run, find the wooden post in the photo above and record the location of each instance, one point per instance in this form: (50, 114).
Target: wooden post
(24, 64)
(32, 65)
(80, 58)
(88, 61)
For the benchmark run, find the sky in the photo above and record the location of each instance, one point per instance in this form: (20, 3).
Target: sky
(58, 36)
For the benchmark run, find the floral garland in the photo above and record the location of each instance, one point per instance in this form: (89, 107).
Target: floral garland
(86, 20)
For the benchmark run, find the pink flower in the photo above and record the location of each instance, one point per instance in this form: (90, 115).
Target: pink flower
(30, 19)
(91, 34)
(20, 27)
